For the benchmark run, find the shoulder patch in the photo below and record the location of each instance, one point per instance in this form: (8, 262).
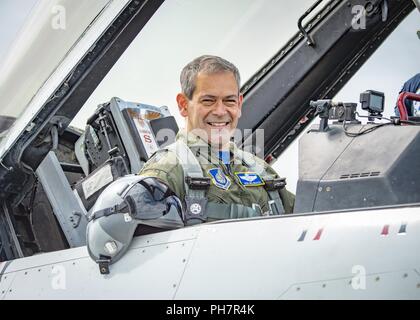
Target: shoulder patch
(219, 179)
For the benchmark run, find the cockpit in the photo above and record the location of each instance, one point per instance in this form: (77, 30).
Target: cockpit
(78, 137)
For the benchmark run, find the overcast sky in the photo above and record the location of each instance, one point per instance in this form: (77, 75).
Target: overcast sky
(242, 39)
(12, 15)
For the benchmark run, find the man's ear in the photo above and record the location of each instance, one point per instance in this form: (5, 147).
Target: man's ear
(241, 99)
(182, 101)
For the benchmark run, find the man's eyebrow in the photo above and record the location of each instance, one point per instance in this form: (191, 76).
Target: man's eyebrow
(232, 96)
(208, 96)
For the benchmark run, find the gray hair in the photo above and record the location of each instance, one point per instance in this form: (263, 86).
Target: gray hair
(206, 64)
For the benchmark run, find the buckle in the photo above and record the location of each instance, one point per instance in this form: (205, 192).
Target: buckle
(198, 183)
(257, 209)
(274, 184)
(273, 207)
(103, 262)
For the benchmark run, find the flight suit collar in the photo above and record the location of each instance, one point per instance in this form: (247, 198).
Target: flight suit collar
(191, 139)
(195, 142)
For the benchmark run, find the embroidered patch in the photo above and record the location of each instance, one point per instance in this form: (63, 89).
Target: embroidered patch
(195, 208)
(219, 178)
(250, 179)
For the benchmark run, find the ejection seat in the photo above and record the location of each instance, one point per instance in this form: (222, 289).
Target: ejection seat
(119, 138)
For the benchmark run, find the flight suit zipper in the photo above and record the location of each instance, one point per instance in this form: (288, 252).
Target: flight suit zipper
(230, 174)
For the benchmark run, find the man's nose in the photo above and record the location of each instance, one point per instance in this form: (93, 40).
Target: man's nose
(219, 109)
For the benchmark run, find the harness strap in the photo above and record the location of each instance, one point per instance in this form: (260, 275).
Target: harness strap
(108, 211)
(195, 197)
(219, 211)
(198, 209)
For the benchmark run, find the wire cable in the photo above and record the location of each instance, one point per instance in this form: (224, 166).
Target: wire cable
(366, 131)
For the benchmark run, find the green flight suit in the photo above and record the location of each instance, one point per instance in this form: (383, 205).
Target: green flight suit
(165, 166)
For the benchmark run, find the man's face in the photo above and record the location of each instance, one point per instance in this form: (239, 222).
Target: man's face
(214, 109)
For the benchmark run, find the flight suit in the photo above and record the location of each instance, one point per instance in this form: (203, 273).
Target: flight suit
(228, 183)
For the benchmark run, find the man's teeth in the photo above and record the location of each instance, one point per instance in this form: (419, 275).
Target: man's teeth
(218, 124)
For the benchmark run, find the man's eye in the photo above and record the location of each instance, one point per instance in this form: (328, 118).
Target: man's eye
(230, 101)
(207, 101)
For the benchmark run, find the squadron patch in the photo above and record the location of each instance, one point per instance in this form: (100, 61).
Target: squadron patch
(219, 178)
(250, 179)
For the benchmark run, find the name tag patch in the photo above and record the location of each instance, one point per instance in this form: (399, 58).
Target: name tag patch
(219, 178)
(249, 179)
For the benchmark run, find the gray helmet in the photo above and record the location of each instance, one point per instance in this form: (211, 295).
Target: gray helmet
(125, 203)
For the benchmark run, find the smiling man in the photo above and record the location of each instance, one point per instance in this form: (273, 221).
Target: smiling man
(212, 177)
(210, 100)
